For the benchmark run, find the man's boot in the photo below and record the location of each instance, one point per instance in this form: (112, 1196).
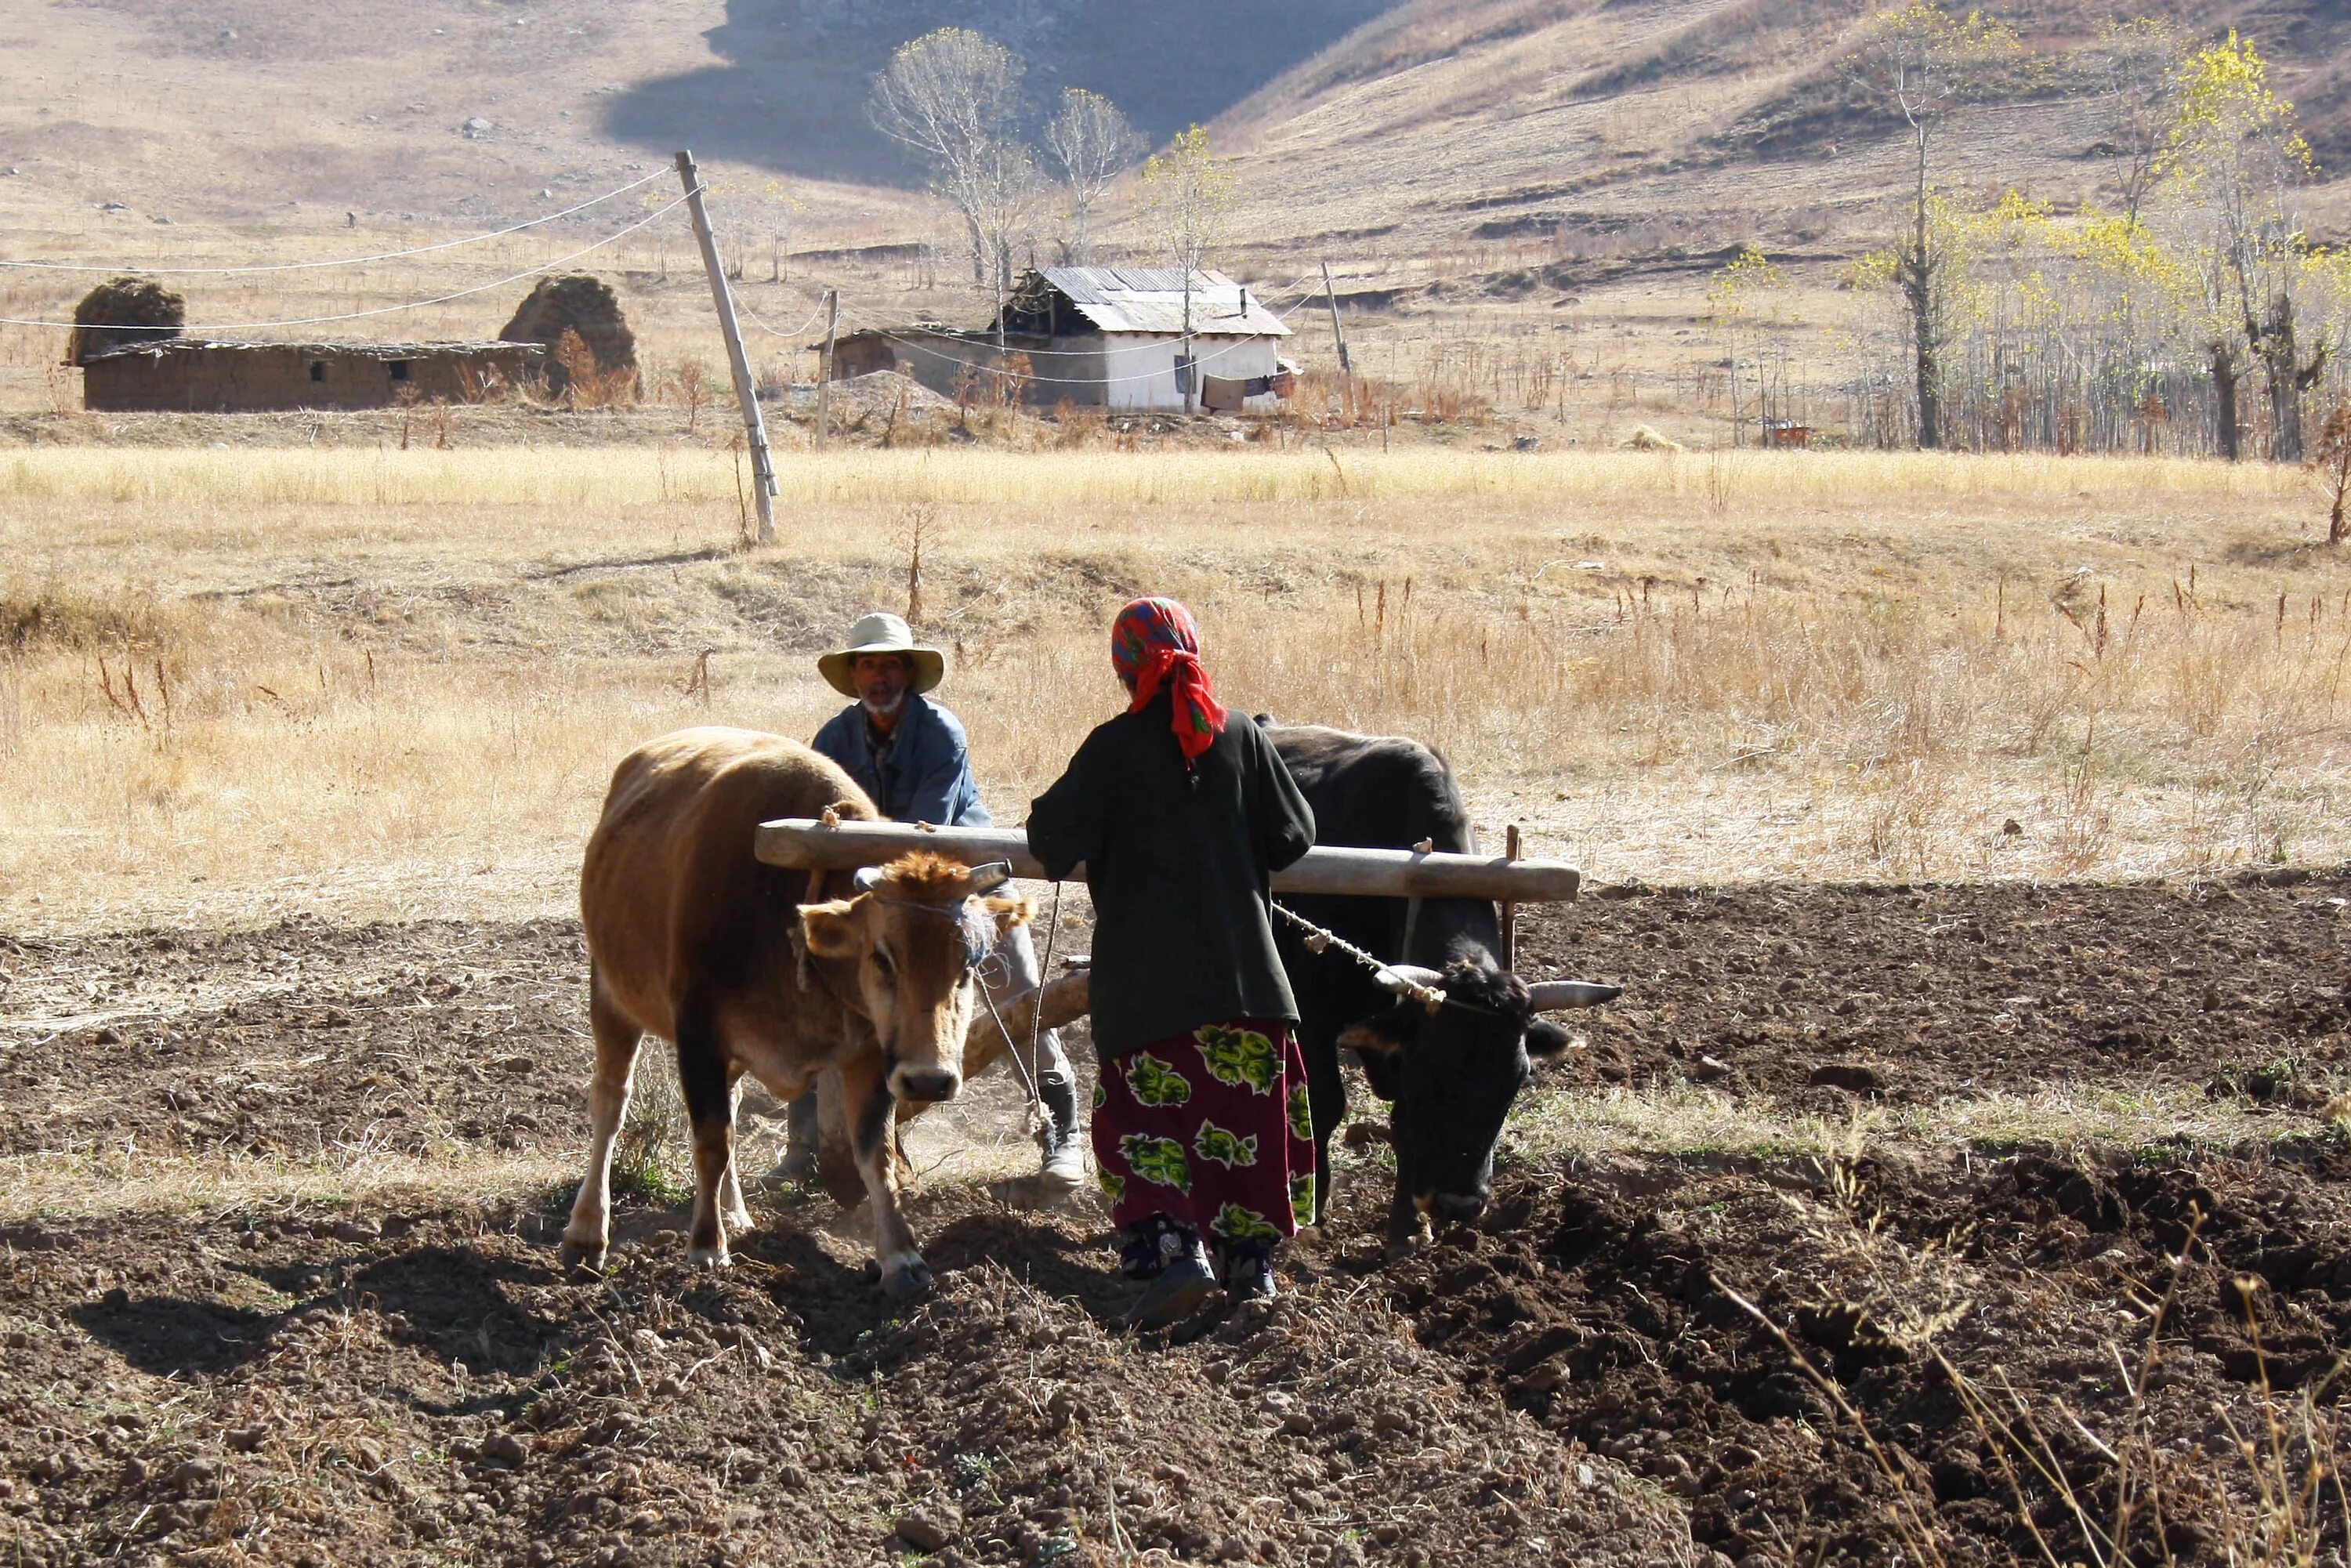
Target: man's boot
(1064, 1172)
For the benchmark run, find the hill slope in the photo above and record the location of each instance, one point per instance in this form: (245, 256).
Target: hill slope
(1367, 128)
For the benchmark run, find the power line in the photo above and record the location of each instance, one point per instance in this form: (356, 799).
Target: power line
(341, 261)
(376, 310)
(814, 311)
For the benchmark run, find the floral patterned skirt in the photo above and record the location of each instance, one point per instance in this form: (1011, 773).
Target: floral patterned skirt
(1212, 1130)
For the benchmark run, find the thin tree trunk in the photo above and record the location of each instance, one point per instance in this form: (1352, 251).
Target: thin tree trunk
(2224, 388)
(1919, 284)
(2280, 356)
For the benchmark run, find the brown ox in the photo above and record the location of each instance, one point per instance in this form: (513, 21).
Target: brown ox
(745, 967)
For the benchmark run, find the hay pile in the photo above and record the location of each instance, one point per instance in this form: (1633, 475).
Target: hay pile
(123, 311)
(586, 307)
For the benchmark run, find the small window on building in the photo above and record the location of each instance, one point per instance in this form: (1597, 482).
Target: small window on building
(1184, 365)
(399, 369)
(318, 370)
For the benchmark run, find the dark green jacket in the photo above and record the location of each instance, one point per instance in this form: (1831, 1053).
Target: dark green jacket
(1182, 933)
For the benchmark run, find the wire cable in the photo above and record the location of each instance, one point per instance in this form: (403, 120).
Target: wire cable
(814, 311)
(376, 310)
(340, 261)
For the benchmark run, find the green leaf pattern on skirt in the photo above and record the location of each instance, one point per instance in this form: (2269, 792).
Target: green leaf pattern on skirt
(1159, 1161)
(1156, 1083)
(1229, 1149)
(1238, 1056)
(1234, 1223)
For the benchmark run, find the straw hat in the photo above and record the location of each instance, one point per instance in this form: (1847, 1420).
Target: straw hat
(882, 632)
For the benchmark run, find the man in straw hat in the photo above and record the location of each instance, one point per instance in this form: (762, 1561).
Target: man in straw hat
(909, 755)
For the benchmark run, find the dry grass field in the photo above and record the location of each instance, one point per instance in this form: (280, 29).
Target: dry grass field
(381, 683)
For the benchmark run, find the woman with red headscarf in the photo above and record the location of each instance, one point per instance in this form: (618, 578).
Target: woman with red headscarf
(1182, 812)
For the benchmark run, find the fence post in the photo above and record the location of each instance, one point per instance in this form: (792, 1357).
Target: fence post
(824, 366)
(1510, 910)
(755, 428)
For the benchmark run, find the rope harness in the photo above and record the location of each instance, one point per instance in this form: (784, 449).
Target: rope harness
(1316, 940)
(977, 956)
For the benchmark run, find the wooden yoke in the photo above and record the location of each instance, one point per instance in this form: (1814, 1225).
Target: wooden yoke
(1366, 873)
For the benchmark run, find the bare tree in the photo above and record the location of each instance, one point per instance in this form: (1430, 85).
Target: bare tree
(954, 98)
(2135, 71)
(1091, 143)
(1187, 192)
(1923, 63)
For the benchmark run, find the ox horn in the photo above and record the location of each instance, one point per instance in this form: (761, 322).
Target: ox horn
(1557, 996)
(1424, 986)
(1404, 978)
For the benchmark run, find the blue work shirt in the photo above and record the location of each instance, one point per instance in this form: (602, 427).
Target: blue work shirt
(925, 775)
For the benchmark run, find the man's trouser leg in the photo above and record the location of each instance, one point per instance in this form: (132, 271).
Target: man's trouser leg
(1057, 1087)
(801, 1140)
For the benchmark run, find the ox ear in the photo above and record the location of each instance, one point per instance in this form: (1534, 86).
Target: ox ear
(832, 930)
(1384, 1033)
(1009, 913)
(1546, 1039)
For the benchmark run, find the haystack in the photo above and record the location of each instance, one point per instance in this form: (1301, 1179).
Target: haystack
(123, 311)
(576, 302)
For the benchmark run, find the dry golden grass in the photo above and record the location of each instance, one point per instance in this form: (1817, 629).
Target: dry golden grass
(73, 1187)
(1691, 1120)
(394, 683)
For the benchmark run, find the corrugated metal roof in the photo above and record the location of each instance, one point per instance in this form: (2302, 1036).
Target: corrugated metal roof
(1151, 299)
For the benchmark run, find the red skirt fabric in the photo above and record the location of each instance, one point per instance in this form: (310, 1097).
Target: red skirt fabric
(1211, 1129)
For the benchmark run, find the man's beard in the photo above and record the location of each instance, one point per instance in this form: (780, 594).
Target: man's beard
(883, 710)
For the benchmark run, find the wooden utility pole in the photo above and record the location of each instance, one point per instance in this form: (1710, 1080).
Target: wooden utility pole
(755, 428)
(824, 366)
(1338, 333)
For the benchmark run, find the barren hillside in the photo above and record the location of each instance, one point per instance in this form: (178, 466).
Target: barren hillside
(1362, 121)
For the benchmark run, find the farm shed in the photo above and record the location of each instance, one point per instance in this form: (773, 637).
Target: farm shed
(197, 375)
(1106, 336)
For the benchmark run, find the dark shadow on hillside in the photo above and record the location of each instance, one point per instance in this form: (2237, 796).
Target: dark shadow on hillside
(791, 96)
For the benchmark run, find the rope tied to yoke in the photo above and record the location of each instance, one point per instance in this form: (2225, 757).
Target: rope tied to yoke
(1029, 1070)
(1316, 940)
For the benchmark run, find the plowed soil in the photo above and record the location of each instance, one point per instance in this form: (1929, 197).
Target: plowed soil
(1577, 1377)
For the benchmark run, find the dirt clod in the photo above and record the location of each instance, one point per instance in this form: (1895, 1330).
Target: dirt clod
(929, 1530)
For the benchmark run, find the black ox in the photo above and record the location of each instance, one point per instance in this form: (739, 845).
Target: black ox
(1452, 1074)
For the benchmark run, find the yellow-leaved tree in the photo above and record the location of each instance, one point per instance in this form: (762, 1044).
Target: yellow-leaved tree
(1922, 63)
(2232, 171)
(1187, 192)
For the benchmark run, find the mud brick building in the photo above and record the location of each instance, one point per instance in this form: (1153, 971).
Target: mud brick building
(198, 375)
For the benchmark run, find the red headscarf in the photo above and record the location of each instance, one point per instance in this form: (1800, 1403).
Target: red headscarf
(1153, 643)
